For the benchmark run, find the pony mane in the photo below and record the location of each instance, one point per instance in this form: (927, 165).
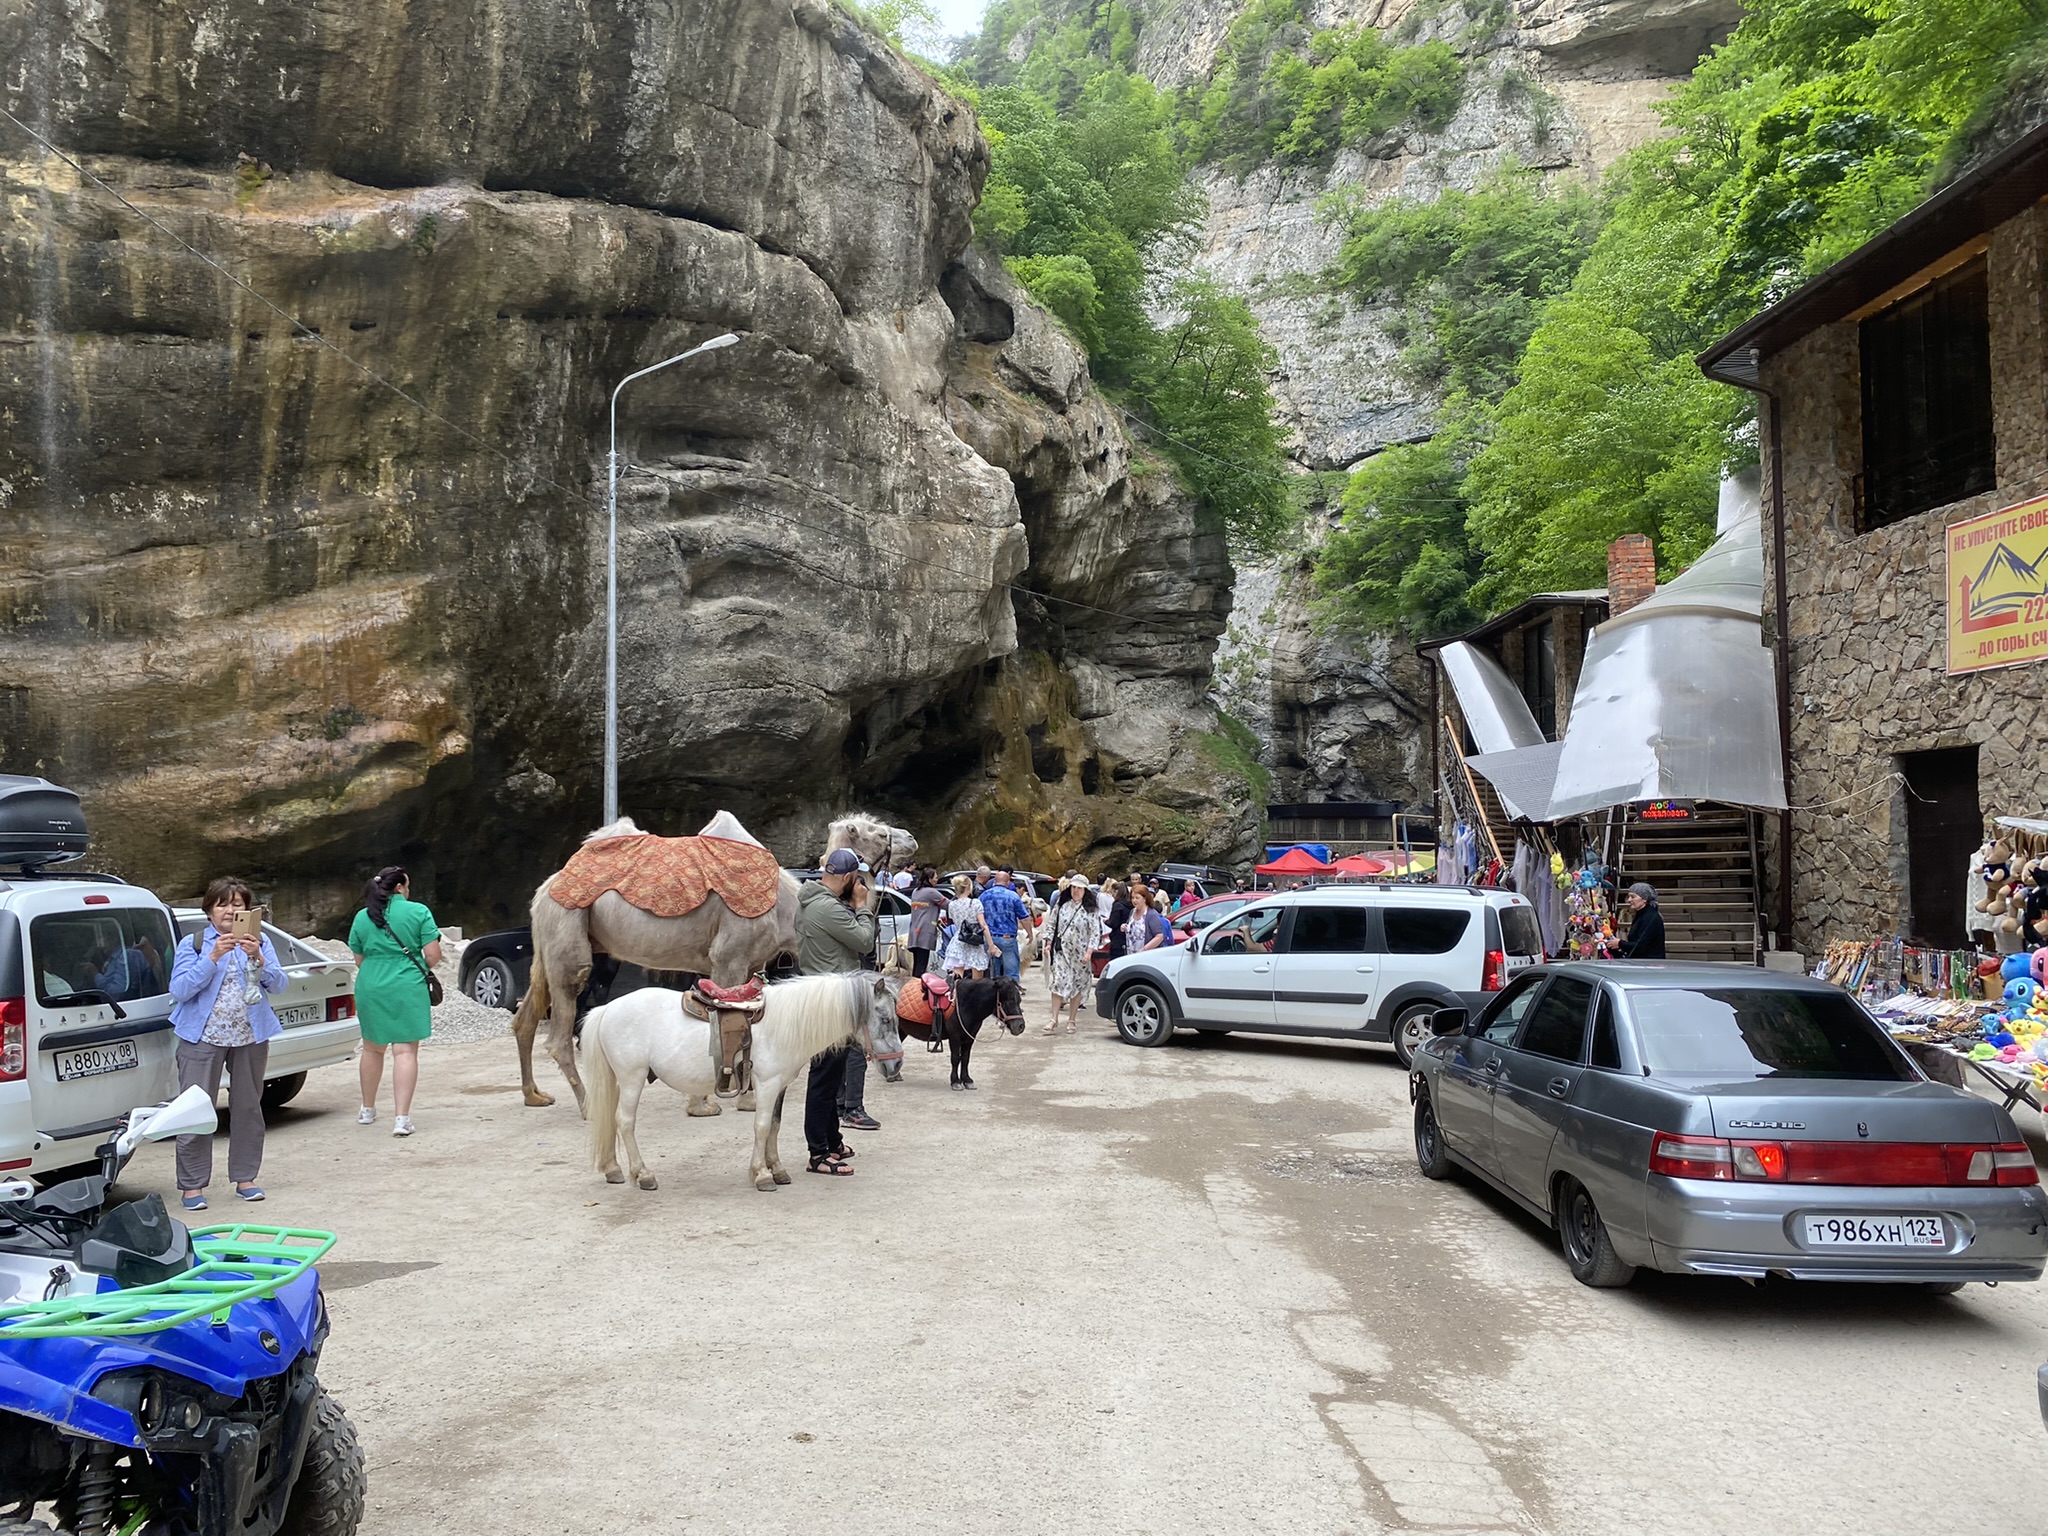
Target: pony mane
(815, 1013)
(727, 826)
(623, 827)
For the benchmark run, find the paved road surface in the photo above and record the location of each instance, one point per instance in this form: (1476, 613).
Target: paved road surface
(1199, 1289)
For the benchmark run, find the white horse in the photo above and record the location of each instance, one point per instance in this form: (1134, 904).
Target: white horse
(649, 1031)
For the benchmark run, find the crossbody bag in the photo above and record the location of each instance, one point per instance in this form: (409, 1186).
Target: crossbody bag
(434, 993)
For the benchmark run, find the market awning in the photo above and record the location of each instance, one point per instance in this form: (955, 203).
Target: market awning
(1295, 861)
(1359, 864)
(1677, 698)
(1525, 779)
(1495, 712)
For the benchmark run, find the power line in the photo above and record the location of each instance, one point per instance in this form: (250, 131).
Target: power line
(526, 471)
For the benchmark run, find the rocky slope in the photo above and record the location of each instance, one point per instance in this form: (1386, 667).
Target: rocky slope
(1562, 85)
(269, 613)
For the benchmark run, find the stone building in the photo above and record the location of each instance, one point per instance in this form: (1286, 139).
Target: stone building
(1903, 402)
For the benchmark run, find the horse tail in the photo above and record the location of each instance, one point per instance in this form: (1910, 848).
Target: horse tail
(602, 1085)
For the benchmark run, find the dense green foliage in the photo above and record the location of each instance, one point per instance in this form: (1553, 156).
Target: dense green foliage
(1088, 203)
(1818, 123)
(1282, 90)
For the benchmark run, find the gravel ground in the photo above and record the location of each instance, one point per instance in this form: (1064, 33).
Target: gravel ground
(460, 1019)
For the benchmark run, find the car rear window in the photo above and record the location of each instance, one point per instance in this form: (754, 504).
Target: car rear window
(1750, 1032)
(1425, 930)
(1519, 932)
(122, 952)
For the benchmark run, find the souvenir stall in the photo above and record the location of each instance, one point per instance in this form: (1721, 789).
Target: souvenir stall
(1971, 1016)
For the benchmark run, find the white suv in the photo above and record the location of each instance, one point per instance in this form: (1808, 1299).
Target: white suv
(85, 1005)
(1351, 962)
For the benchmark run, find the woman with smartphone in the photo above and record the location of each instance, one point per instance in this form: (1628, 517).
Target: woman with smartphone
(396, 944)
(220, 1010)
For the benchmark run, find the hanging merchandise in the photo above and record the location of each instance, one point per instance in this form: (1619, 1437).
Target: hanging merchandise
(1589, 920)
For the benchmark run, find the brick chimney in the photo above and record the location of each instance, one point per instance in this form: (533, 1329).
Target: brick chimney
(1631, 572)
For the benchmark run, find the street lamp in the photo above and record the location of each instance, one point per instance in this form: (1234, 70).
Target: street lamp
(611, 582)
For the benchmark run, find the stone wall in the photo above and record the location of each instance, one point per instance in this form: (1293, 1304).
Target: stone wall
(1867, 619)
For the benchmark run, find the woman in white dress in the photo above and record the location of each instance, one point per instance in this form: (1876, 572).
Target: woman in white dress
(971, 951)
(1074, 930)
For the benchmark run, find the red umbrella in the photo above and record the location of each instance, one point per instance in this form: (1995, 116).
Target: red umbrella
(1295, 861)
(1359, 864)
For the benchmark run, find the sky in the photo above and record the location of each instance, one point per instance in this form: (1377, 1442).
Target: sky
(957, 16)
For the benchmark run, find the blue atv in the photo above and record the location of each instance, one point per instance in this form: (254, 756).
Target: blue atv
(160, 1381)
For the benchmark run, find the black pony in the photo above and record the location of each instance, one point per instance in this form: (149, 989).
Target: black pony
(973, 1003)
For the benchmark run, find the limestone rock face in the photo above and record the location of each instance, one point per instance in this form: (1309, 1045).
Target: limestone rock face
(301, 599)
(1564, 86)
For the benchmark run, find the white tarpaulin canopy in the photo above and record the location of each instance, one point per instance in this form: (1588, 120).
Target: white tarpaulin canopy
(1677, 698)
(1495, 712)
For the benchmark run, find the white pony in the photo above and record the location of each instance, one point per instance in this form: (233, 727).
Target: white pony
(649, 1031)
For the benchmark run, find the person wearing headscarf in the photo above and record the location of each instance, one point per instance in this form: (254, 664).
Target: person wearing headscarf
(1645, 939)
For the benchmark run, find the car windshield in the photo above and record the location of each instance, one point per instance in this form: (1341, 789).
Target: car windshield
(1749, 1032)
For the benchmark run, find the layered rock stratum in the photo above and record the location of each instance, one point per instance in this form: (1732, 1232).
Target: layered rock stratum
(306, 337)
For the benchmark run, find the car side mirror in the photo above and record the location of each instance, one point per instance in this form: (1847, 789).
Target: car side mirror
(1450, 1021)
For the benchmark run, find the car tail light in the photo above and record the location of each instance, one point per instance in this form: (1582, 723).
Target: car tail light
(13, 1039)
(1869, 1164)
(1691, 1157)
(342, 1006)
(1494, 975)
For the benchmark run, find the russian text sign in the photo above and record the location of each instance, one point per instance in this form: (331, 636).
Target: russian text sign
(1998, 588)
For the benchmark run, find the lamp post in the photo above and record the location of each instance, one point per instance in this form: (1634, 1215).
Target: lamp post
(611, 580)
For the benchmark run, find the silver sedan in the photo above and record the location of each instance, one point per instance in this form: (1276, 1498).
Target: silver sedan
(1720, 1120)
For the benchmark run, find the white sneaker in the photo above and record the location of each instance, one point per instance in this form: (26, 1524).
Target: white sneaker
(366, 1116)
(401, 1125)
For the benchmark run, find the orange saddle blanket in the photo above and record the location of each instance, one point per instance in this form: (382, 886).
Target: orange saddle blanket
(669, 876)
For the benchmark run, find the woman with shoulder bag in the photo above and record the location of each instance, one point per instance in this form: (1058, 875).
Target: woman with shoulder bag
(221, 1014)
(971, 951)
(397, 946)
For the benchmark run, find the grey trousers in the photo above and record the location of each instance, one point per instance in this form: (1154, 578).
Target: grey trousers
(201, 1063)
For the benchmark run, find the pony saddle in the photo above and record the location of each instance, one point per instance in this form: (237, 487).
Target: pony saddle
(733, 1011)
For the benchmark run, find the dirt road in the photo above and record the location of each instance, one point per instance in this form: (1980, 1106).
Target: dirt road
(1197, 1289)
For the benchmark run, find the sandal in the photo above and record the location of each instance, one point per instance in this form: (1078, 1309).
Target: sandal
(1050, 1029)
(830, 1166)
(843, 1152)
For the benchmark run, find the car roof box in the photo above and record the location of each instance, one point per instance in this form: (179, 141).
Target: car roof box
(40, 822)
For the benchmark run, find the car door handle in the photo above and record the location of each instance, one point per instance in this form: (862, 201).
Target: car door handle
(1365, 970)
(1261, 969)
(1560, 1086)
(1493, 1065)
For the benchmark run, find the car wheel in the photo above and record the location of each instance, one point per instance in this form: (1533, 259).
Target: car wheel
(491, 983)
(1142, 1017)
(1411, 1028)
(280, 1091)
(1587, 1248)
(1430, 1154)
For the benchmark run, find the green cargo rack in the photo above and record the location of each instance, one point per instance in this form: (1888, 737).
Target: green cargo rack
(232, 1263)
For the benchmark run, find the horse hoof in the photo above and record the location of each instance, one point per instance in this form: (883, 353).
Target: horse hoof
(782, 1175)
(614, 1176)
(968, 1086)
(765, 1182)
(648, 1181)
(745, 1102)
(702, 1107)
(535, 1099)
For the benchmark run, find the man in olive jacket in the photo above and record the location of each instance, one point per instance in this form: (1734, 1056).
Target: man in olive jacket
(835, 931)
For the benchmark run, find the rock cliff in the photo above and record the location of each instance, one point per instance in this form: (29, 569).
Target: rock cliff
(301, 590)
(1566, 86)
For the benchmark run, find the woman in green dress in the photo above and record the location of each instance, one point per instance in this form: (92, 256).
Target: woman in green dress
(388, 936)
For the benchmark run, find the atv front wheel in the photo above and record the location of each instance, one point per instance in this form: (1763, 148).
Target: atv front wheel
(327, 1500)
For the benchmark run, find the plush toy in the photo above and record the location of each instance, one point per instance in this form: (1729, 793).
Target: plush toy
(1998, 887)
(2038, 961)
(2015, 967)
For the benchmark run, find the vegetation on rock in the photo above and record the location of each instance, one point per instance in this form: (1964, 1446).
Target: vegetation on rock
(1572, 410)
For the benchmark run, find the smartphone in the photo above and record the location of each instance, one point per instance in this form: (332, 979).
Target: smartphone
(245, 925)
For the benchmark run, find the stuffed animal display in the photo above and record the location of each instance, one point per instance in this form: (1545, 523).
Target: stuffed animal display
(2004, 899)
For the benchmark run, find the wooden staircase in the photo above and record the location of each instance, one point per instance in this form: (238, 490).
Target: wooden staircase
(1705, 872)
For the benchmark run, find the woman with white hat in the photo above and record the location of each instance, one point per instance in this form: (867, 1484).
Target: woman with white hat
(1073, 930)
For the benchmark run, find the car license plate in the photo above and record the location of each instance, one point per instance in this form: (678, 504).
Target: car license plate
(303, 1013)
(1876, 1232)
(95, 1060)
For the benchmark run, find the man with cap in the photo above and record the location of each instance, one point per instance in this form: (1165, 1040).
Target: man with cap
(835, 931)
(1645, 939)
